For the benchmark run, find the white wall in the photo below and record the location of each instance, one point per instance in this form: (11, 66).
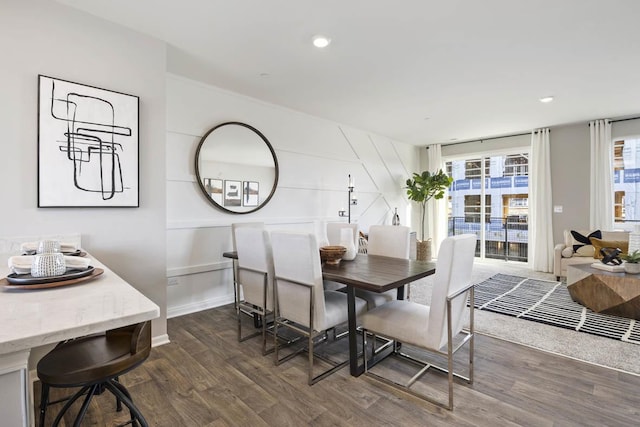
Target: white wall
(44, 37)
(315, 156)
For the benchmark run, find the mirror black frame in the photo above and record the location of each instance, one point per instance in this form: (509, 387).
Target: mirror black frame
(200, 179)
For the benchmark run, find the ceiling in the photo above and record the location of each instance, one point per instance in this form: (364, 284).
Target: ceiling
(418, 71)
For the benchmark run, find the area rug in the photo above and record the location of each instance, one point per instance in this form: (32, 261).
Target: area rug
(550, 303)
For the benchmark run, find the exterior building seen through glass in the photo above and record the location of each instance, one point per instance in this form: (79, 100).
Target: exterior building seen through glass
(497, 212)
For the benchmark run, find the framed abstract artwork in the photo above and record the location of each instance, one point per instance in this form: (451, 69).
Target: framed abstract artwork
(250, 193)
(88, 143)
(232, 193)
(214, 189)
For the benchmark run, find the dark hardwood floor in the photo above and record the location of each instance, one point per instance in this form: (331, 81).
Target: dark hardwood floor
(204, 377)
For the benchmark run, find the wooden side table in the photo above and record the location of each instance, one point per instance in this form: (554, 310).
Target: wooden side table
(605, 292)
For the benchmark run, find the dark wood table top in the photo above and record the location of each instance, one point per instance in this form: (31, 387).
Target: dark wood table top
(377, 273)
(373, 272)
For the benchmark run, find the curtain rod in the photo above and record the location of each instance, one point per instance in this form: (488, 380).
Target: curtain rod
(624, 120)
(485, 139)
(618, 120)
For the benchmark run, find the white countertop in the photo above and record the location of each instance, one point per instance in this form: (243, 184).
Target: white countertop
(30, 318)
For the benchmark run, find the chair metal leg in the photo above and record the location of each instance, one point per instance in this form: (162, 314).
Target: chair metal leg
(406, 387)
(44, 401)
(118, 403)
(264, 335)
(275, 342)
(310, 359)
(450, 376)
(472, 296)
(85, 405)
(117, 390)
(259, 314)
(122, 388)
(68, 404)
(364, 350)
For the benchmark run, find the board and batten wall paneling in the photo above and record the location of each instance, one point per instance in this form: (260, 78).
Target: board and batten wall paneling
(315, 157)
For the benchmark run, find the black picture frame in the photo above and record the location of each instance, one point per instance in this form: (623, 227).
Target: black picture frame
(88, 146)
(232, 193)
(250, 193)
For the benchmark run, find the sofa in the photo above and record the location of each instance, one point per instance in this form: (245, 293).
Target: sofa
(576, 251)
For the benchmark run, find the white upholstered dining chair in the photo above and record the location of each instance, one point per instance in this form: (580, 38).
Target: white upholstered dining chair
(255, 276)
(234, 227)
(437, 327)
(302, 304)
(385, 240)
(237, 225)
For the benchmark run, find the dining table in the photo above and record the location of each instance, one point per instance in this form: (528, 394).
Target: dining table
(372, 273)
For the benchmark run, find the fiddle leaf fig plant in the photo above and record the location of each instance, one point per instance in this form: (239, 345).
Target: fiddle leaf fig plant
(423, 187)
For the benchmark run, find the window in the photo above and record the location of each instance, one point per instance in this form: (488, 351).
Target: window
(489, 197)
(516, 165)
(626, 180)
(472, 208)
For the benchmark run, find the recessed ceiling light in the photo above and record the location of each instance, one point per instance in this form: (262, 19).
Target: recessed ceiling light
(546, 99)
(321, 41)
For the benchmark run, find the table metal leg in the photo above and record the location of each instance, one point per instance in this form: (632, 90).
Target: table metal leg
(257, 321)
(353, 341)
(235, 285)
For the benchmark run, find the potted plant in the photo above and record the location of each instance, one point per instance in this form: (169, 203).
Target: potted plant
(632, 262)
(422, 188)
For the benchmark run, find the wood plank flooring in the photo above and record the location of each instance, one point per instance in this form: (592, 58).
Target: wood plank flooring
(204, 377)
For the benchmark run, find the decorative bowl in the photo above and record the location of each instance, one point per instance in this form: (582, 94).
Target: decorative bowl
(332, 254)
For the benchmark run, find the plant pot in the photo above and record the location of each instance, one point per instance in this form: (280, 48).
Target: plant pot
(423, 250)
(632, 267)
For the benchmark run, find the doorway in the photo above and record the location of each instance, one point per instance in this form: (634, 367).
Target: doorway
(489, 197)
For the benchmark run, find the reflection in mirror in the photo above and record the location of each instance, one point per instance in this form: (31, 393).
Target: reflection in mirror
(236, 168)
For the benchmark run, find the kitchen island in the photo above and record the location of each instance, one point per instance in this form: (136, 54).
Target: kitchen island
(33, 318)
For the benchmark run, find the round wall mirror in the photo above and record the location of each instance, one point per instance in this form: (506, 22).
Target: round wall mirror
(236, 168)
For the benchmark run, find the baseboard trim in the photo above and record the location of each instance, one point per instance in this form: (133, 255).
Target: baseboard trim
(198, 306)
(160, 340)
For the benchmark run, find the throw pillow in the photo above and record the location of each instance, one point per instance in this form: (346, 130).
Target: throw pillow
(599, 244)
(581, 244)
(567, 252)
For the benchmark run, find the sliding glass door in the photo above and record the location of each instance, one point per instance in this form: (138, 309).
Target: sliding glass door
(490, 198)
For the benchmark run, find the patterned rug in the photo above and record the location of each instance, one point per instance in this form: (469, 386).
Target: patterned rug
(549, 302)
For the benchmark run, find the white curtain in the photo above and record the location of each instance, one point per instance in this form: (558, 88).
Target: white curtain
(601, 206)
(436, 221)
(540, 203)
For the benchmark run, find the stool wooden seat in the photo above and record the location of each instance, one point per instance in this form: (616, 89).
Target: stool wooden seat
(94, 363)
